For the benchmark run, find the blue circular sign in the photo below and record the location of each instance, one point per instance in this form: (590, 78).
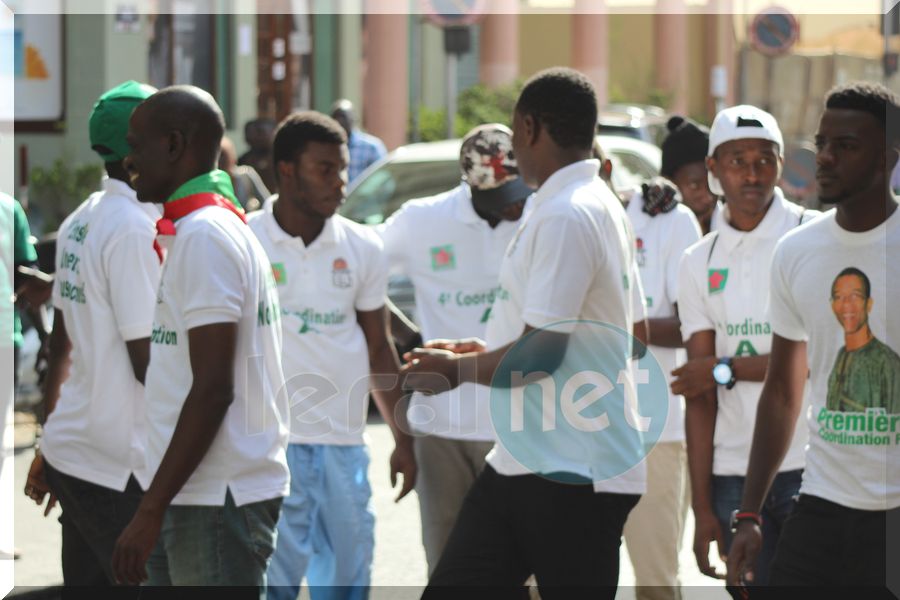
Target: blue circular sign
(774, 31)
(595, 416)
(799, 175)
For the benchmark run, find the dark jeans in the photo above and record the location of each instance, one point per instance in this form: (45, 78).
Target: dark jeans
(216, 546)
(92, 518)
(727, 493)
(567, 535)
(826, 544)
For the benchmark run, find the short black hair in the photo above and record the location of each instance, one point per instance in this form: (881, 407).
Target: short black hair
(867, 287)
(563, 102)
(872, 98)
(300, 128)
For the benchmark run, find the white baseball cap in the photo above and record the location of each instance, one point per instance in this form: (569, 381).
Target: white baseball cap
(742, 122)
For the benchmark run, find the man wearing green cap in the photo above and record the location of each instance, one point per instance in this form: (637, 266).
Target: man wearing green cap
(92, 455)
(216, 428)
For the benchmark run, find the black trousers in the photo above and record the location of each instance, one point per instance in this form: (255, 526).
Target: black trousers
(824, 544)
(567, 535)
(92, 518)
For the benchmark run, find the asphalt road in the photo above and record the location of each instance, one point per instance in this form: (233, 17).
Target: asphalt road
(399, 570)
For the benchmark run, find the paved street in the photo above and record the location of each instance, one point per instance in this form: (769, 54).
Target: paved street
(399, 570)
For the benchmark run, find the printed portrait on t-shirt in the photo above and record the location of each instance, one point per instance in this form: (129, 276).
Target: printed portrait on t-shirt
(866, 372)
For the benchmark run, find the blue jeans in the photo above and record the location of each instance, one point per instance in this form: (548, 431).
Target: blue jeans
(327, 528)
(727, 493)
(215, 545)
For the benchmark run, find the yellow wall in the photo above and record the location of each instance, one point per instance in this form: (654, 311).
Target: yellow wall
(630, 57)
(544, 41)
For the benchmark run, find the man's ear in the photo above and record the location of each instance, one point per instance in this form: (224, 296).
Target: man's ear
(176, 145)
(285, 170)
(607, 168)
(532, 129)
(711, 164)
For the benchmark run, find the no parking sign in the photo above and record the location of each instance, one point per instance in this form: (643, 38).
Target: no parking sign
(774, 31)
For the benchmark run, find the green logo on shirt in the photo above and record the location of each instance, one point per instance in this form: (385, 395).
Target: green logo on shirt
(442, 257)
(717, 280)
(279, 273)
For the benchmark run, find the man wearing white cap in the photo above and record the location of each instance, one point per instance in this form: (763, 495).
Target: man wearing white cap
(723, 285)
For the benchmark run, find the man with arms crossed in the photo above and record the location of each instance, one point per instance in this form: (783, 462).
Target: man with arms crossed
(838, 534)
(331, 275)
(216, 434)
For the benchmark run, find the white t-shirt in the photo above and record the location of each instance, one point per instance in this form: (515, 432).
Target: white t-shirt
(325, 357)
(453, 258)
(106, 278)
(723, 284)
(854, 421)
(216, 272)
(571, 258)
(660, 242)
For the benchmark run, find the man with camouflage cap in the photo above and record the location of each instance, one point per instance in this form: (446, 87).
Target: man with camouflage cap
(92, 455)
(451, 246)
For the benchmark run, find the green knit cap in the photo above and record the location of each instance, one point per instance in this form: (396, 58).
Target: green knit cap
(108, 123)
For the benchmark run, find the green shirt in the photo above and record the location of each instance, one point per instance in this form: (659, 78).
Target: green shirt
(868, 377)
(23, 253)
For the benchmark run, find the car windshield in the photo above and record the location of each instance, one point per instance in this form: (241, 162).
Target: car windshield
(386, 189)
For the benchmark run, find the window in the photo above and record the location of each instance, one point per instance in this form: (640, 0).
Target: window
(192, 47)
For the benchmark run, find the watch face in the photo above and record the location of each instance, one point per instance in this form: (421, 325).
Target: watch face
(722, 373)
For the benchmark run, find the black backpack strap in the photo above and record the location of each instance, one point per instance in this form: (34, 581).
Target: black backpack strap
(715, 237)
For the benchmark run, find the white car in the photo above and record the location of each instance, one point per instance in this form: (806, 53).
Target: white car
(426, 169)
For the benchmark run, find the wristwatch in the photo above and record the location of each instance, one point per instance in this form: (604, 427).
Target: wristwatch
(723, 373)
(738, 516)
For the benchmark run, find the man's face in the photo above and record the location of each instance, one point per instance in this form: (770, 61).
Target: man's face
(522, 129)
(748, 171)
(148, 167)
(850, 154)
(692, 183)
(316, 180)
(849, 303)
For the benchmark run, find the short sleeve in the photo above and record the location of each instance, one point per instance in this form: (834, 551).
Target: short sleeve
(691, 303)
(209, 279)
(23, 250)
(782, 310)
(395, 238)
(132, 270)
(373, 279)
(561, 256)
(686, 233)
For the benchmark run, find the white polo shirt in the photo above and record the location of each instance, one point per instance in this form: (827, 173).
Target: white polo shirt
(106, 278)
(854, 422)
(660, 241)
(723, 285)
(571, 258)
(453, 258)
(325, 357)
(216, 272)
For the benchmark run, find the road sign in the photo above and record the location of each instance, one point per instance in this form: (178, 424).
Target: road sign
(774, 31)
(453, 13)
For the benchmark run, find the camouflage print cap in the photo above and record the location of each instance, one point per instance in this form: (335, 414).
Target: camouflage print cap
(488, 165)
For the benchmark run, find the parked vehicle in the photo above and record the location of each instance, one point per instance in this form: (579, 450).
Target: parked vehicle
(638, 121)
(426, 169)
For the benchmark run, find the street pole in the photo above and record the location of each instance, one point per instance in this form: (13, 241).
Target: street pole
(452, 60)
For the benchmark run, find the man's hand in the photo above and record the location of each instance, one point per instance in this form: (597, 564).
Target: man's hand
(430, 371)
(463, 346)
(403, 461)
(36, 485)
(133, 548)
(694, 377)
(745, 546)
(35, 287)
(706, 530)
